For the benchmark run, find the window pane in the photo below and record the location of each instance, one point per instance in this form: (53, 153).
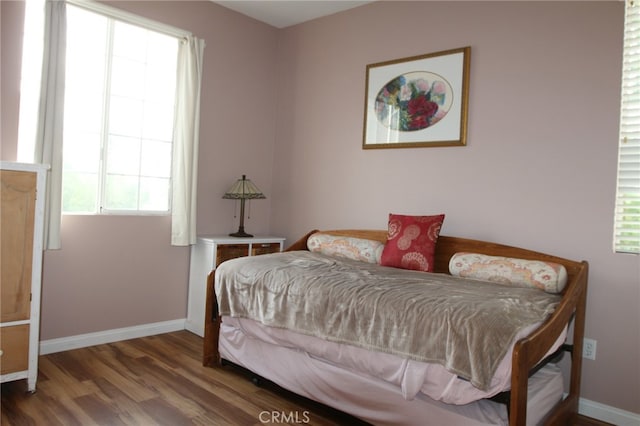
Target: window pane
(123, 155)
(85, 61)
(121, 192)
(86, 37)
(84, 94)
(162, 50)
(158, 121)
(79, 192)
(129, 41)
(156, 159)
(160, 84)
(154, 194)
(125, 117)
(81, 152)
(127, 78)
(83, 111)
(162, 63)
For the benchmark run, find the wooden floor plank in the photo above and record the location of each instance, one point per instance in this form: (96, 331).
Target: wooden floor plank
(165, 412)
(65, 381)
(157, 380)
(130, 411)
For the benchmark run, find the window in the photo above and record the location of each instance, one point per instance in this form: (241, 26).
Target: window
(627, 213)
(118, 116)
(124, 156)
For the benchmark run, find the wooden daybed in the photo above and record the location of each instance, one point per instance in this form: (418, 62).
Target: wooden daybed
(527, 351)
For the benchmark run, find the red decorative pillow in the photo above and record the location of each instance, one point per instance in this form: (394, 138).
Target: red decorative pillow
(411, 242)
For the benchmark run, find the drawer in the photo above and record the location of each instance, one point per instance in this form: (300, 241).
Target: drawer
(265, 248)
(14, 342)
(230, 251)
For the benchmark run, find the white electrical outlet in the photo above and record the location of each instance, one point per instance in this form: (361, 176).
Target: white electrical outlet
(589, 348)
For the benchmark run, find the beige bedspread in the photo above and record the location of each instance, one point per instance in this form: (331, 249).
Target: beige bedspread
(465, 325)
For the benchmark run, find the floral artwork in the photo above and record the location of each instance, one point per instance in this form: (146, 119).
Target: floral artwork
(419, 101)
(413, 101)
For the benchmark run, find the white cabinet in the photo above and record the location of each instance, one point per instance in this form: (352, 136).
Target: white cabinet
(208, 252)
(23, 192)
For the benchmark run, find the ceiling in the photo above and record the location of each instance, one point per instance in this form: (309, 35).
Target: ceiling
(282, 13)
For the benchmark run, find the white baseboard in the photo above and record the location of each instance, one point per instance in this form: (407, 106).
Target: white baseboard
(607, 413)
(585, 407)
(109, 336)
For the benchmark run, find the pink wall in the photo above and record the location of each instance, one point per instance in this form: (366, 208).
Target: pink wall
(121, 271)
(538, 171)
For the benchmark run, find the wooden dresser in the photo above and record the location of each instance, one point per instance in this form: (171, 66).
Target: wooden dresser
(21, 231)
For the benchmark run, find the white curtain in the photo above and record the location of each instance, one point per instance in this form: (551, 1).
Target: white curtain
(48, 144)
(185, 142)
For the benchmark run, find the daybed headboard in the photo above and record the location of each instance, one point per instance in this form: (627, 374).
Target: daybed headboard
(446, 247)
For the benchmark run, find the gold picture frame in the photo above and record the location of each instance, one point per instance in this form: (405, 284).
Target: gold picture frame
(419, 101)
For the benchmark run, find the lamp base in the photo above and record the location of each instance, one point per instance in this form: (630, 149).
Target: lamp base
(240, 234)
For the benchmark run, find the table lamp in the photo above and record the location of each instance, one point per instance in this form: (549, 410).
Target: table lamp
(243, 189)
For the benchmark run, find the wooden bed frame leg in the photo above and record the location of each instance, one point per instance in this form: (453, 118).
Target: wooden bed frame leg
(520, 376)
(568, 408)
(210, 352)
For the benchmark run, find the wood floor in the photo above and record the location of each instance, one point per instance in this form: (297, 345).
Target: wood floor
(157, 380)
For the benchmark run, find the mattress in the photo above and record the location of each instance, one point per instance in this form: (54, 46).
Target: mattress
(340, 382)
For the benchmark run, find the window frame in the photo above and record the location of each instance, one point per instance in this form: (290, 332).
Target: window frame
(113, 15)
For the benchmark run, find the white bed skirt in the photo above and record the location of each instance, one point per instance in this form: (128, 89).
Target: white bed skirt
(374, 400)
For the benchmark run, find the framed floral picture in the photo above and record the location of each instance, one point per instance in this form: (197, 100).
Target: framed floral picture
(420, 101)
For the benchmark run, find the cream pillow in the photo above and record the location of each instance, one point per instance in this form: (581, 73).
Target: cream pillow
(547, 276)
(348, 247)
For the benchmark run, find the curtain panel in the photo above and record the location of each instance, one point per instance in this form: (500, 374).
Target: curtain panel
(186, 137)
(48, 144)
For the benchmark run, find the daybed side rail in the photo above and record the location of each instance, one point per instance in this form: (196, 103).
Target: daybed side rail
(530, 350)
